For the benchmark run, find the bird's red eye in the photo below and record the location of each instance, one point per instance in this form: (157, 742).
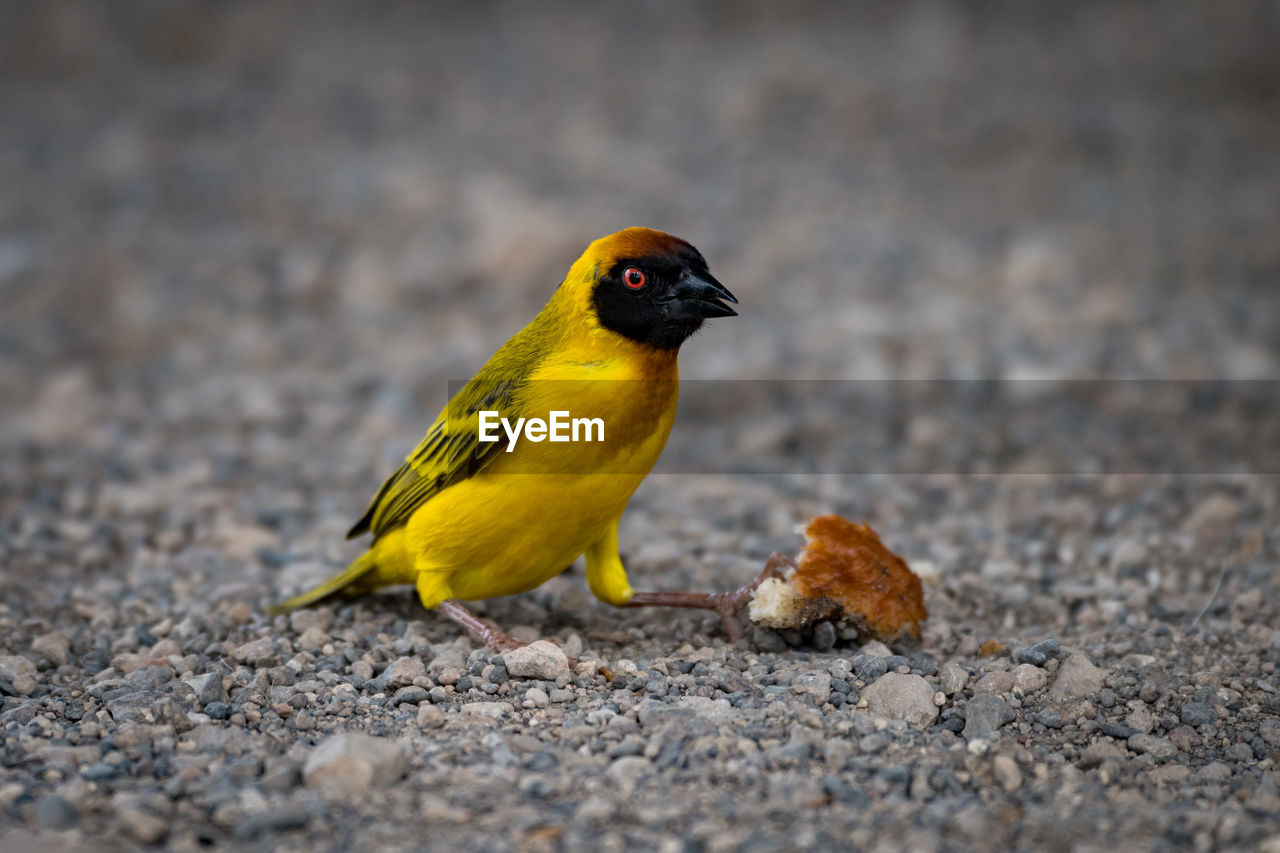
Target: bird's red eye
(633, 278)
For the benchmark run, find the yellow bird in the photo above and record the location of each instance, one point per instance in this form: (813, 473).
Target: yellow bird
(481, 509)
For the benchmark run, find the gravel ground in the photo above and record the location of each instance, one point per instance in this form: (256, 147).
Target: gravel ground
(243, 249)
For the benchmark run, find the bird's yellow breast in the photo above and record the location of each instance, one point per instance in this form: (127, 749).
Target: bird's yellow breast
(534, 510)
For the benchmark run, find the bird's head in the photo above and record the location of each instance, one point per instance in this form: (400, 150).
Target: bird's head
(652, 287)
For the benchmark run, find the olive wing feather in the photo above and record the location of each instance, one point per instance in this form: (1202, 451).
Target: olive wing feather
(450, 453)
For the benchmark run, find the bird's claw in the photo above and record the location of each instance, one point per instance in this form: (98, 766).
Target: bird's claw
(725, 604)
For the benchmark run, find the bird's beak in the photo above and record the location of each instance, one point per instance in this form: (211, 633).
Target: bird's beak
(697, 297)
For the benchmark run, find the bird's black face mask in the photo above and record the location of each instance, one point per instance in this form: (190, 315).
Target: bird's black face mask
(660, 300)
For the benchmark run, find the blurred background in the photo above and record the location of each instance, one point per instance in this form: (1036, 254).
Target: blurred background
(246, 245)
(382, 194)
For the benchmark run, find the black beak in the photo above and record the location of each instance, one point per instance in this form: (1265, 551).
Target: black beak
(697, 297)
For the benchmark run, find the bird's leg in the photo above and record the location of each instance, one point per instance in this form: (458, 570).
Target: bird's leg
(481, 631)
(490, 636)
(726, 604)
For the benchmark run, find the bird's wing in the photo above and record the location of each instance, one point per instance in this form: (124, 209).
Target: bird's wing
(450, 452)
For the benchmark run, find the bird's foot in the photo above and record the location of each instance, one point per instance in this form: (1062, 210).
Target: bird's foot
(482, 631)
(725, 604)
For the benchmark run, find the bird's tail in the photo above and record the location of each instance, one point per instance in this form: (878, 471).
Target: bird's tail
(349, 581)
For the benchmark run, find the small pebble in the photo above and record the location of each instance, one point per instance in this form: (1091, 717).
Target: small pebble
(984, 715)
(1198, 714)
(902, 697)
(541, 659)
(55, 813)
(1039, 653)
(868, 668)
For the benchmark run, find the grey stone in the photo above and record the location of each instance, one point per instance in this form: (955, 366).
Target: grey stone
(254, 652)
(411, 695)
(874, 743)
(207, 687)
(629, 769)
(869, 667)
(844, 793)
(131, 707)
(1214, 772)
(999, 681)
(824, 636)
(347, 764)
(1050, 719)
(1077, 677)
(54, 813)
(1029, 678)
(289, 816)
(280, 774)
(1039, 653)
(952, 678)
(922, 663)
(1117, 730)
(984, 715)
(1157, 747)
(19, 672)
(627, 746)
(403, 671)
(1140, 719)
(1007, 772)
(815, 684)
(492, 710)
(876, 649)
(902, 697)
(1198, 714)
(767, 639)
(1185, 738)
(100, 771)
(542, 659)
(141, 826)
(151, 677)
(652, 713)
(430, 717)
(53, 646)
(1098, 753)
